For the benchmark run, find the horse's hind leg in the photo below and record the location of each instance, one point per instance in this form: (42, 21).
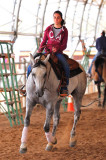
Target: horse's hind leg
(77, 105)
(104, 100)
(29, 108)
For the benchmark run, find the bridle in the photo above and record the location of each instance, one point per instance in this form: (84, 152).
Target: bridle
(37, 64)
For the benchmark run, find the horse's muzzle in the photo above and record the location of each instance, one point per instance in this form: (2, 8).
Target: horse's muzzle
(39, 93)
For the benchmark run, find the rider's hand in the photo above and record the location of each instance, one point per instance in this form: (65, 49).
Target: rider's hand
(54, 49)
(37, 51)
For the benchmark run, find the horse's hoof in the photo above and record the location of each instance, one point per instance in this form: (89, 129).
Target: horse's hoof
(73, 141)
(72, 144)
(49, 147)
(23, 150)
(54, 141)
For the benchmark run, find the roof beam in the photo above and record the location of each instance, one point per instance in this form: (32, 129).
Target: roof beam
(17, 10)
(96, 25)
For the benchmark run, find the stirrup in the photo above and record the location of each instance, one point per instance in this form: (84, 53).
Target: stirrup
(63, 92)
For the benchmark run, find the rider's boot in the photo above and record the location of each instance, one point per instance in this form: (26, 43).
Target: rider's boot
(63, 89)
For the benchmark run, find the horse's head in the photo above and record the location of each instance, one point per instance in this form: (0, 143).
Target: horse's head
(39, 73)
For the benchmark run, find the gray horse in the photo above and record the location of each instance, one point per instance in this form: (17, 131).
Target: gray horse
(41, 88)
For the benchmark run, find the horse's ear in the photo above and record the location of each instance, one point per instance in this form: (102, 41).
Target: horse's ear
(47, 58)
(32, 61)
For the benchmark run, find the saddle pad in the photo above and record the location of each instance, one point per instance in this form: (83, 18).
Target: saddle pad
(73, 64)
(73, 72)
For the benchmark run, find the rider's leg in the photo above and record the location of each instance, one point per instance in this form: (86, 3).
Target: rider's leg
(66, 68)
(28, 70)
(22, 91)
(89, 70)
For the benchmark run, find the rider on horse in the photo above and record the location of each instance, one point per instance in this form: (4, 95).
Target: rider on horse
(101, 47)
(55, 38)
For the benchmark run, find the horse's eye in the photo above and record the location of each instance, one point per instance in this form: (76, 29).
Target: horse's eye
(45, 75)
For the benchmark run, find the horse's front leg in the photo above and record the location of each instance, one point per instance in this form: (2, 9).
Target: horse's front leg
(29, 108)
(49, 137)
(56, 117)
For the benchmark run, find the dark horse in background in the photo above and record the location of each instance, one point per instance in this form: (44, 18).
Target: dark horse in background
(99, 75)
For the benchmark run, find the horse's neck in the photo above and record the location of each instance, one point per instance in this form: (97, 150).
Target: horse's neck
(51, 82)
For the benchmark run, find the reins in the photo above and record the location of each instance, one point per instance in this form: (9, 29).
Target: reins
(48, 75)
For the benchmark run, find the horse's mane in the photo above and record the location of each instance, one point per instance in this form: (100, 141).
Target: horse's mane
(39, 61)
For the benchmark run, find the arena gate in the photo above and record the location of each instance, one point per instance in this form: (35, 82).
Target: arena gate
(11, 103)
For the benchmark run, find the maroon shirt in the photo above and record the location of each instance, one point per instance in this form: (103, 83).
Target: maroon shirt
(59, 42)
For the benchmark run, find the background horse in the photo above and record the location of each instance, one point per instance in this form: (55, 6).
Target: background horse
(99, 75)
(41, 88)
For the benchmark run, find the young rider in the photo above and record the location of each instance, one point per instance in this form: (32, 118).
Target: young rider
(55, 38)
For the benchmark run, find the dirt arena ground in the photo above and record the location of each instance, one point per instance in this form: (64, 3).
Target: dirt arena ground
(91, 136)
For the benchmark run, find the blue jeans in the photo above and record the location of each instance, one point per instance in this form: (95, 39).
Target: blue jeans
(99, 53)
(65, 65)
(28, 70)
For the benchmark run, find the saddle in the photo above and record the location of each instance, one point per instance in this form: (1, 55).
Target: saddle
(59, 71)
